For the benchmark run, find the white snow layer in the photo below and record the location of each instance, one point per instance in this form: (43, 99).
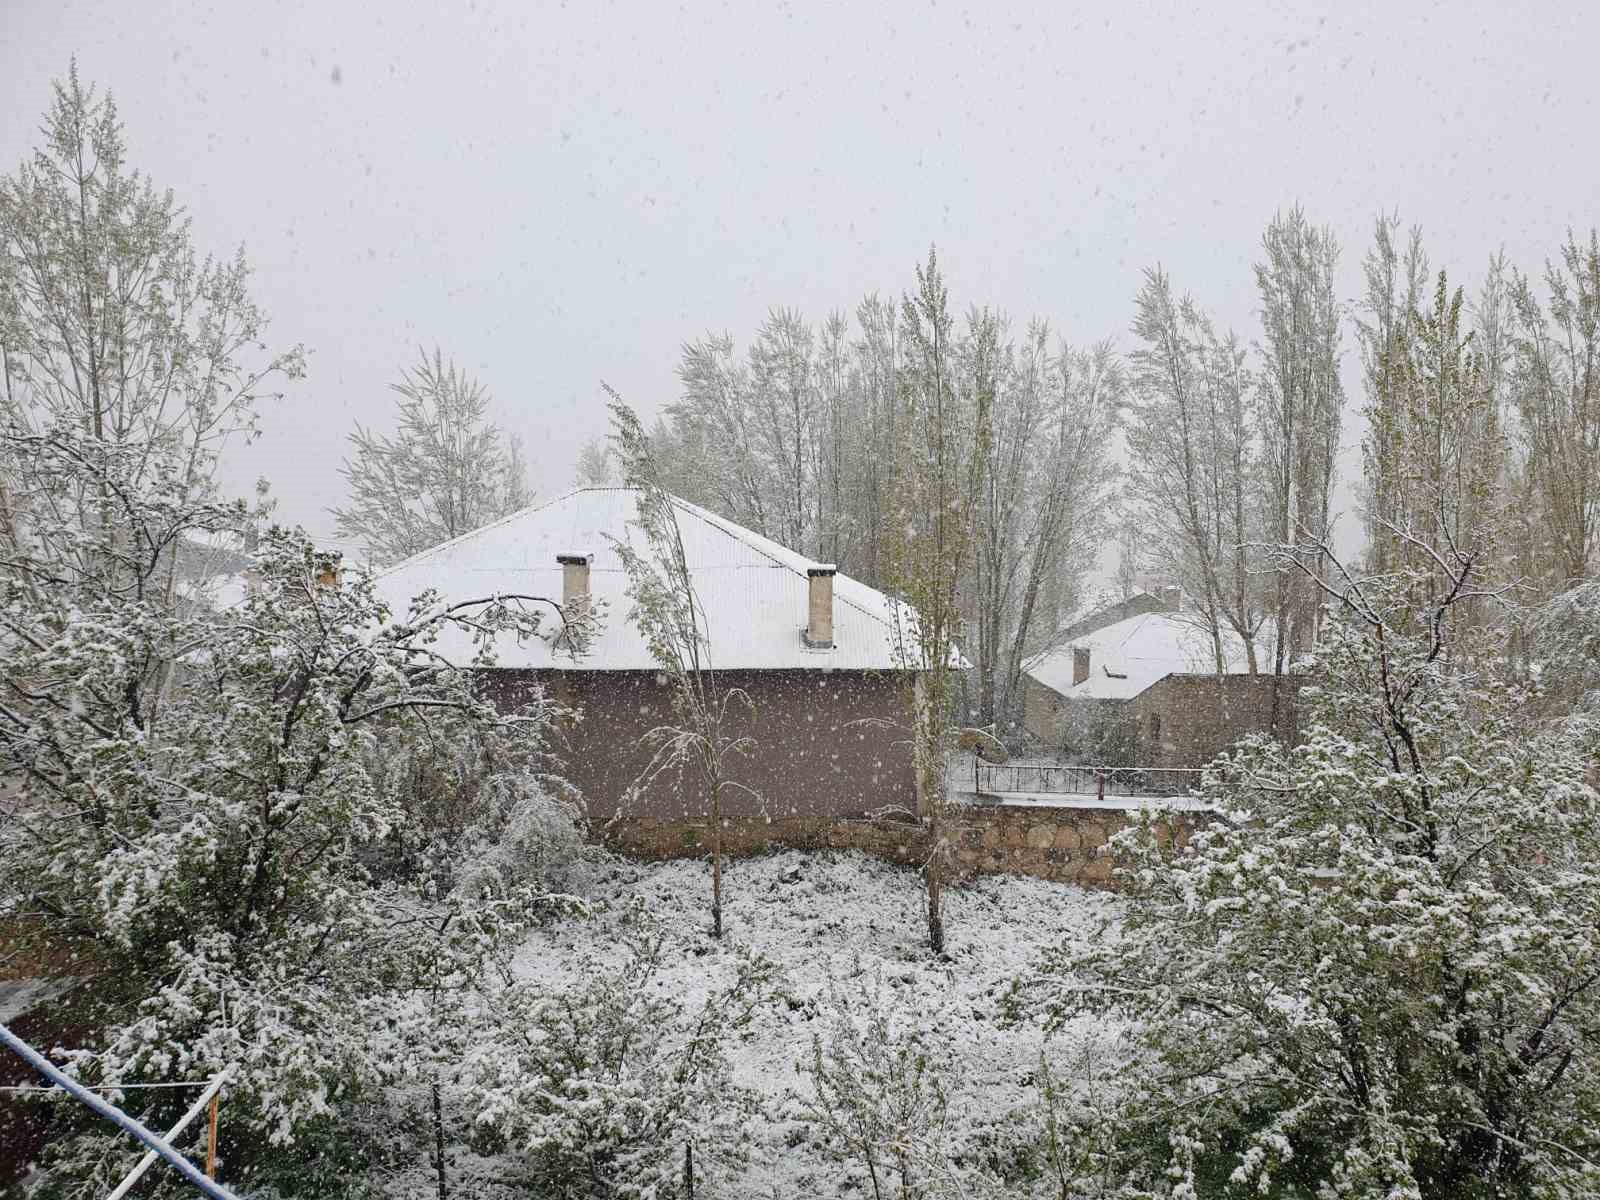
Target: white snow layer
(1137, 652)
(753, 592)
(851, 919)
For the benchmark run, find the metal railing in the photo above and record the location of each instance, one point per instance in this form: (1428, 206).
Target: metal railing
(1049, 779)
(160, 1147)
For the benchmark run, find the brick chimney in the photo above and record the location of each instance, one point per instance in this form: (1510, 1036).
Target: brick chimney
(1172, 598)
(574, 580)
(818, 633)
(1080, 664)
(327, 570)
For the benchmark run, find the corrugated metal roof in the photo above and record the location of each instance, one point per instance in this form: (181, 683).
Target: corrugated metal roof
(753, 591)
(1130, 655)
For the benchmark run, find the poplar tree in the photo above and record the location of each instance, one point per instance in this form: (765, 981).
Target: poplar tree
(1301, 405)
(445, 471)
(939, 455)
(1557, 388)
(702, 738)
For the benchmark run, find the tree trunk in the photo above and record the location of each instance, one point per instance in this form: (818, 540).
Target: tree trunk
(438, 1143)
(934, 876)
(930, 807)
(716, 862)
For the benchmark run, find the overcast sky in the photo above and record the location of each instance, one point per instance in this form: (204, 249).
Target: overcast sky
(559, 194)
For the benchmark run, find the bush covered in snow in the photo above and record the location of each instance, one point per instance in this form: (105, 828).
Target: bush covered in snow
(879, 1097)
(600, 1084)
(265, 897)
(1380, 974)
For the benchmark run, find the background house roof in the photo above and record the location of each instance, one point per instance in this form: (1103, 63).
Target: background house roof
(752, 590)
(1130, 655)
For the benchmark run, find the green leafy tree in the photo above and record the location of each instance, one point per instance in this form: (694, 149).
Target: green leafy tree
(943, 433)
(704, 740)
(1301, 409)
(1434, 448)
(1377, 972)
(127, 361)
(249, 889)
(1556, 385)
(444, 472)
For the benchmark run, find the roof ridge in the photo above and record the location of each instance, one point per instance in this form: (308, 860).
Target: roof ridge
(728, 528)
(717, 522)
(420, 555)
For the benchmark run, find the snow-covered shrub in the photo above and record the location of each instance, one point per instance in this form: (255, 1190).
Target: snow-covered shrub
(599, 1083)
(480, 810)
(880, 1099)
(1379, 972)
(1068, 1141)
(213, 843)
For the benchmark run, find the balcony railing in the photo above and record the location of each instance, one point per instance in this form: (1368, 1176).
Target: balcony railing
(989, 779)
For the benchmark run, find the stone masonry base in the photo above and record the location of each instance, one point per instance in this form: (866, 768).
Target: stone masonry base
(1058, 844)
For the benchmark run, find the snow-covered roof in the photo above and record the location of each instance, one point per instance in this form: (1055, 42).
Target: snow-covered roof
(216, 592)
(1130, 655)
(753, 591)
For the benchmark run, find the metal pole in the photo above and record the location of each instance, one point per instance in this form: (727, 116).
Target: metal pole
(116, 1116)
(207, 1098)
(211, 1137)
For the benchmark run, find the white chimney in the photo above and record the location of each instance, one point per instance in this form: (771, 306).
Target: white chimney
(574, 581)
(818, 633)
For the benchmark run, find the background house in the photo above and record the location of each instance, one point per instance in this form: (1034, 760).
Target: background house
(1137, 685)
(812, 649)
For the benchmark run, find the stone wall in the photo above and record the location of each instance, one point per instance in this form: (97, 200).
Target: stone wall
(1059, 844)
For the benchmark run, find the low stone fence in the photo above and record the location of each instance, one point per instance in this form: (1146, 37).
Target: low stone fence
(1058, 843)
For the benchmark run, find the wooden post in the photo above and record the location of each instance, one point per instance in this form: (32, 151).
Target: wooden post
(1099, 783)
(211, 1138)
(688, 1169)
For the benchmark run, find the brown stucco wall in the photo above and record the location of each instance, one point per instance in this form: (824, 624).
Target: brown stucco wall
(828, 744)
(1089, 731)
(1179, 721)
(1063, 845)
(1042, 710)
(1202, 716)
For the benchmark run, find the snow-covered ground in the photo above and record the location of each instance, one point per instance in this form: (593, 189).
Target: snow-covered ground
(17, 996)
(854, 921)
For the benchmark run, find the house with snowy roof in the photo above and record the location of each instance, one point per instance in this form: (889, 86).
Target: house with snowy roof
(813, 649)
(1139, 685)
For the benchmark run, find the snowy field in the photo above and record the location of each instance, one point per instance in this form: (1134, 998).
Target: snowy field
(847, 922)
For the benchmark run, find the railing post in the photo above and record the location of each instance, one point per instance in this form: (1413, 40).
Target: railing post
(1099, 783)
(211, 1138)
